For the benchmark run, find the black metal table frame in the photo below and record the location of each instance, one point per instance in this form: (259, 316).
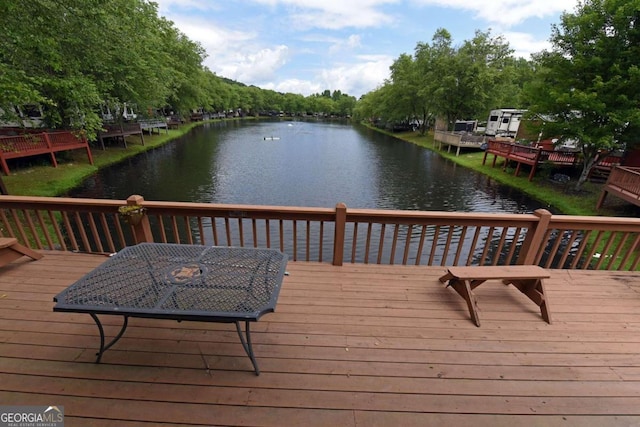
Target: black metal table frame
(188, 315)
(245, 339)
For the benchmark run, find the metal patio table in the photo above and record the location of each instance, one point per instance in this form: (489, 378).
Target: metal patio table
(180, 282)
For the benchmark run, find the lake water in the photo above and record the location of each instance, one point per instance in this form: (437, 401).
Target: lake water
(302, 163)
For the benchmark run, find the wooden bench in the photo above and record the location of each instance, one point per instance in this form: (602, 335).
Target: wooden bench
(528, 279)
(11, 250)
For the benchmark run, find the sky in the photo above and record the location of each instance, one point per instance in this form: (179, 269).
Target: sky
(308, 46)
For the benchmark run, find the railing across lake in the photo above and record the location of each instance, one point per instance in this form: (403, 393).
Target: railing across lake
(335, 235)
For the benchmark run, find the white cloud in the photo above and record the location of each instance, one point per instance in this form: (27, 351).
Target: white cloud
(304, 87)
(165, 5)
(234, 54)
(358, 78)
(525, 44)
(352, 42)
(506, 13)
(253, 67)
(335, 14)
(353, 79)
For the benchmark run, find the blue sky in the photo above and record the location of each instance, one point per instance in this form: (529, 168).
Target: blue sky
(307, 46)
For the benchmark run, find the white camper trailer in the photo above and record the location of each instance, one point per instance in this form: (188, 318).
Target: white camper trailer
(25, 116)
(504, 122)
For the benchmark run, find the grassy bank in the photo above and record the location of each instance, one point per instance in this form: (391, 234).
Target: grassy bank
(40, 179)
(559, 197)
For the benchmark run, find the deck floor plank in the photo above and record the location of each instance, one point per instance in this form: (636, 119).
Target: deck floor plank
(357, 345)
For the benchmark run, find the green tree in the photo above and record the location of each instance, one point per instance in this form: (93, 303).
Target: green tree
(470, 77)
(589, 83)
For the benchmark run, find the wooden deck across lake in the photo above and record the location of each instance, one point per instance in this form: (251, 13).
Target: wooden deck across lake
(357, 345)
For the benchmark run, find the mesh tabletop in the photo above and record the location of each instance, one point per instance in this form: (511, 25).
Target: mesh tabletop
(180, 282)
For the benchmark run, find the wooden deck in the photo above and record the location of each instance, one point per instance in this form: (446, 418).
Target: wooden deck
(357, 345)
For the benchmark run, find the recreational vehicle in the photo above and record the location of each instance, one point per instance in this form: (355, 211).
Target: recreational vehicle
(24, 116)
(504, 122)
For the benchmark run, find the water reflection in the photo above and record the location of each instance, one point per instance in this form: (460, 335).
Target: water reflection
(305, 164)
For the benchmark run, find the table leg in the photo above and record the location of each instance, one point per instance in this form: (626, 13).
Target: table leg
(103, 347)
(246, 344)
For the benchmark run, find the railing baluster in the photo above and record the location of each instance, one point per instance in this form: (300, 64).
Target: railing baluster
(32, 229)
(295, 240)
(447, 245)
(434, 245)
(105, 230)
(474, 243)
(203, 240)
(56, 228)
(45, 229)
(594, 247)
(487, 245)
(635, 246)
(94, 232)
(18, 223)
(308, 258)
(268, 232)
(407, 245)
(605, 251)
(367, 248)
(572, 238)
(82, 232)
(381, 243)
(174, 228)
(499, 248)
(463, 234)
(227, 229)
(423, 233)
(214, 230)
(254, 229)
(321, 242)
(514, 245)
(187, 228)
(394, 243)
(621, 241)
(581, 247)
(240, 232)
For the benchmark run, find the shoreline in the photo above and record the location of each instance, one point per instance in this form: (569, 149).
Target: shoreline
(45, 180)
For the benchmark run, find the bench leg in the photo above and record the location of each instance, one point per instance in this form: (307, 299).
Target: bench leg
(463, 288)
(16, 251)
(534, 290)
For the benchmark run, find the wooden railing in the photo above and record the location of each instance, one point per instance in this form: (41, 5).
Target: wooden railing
(623, 182)
(32, 144)
(524, 154)
(457, 140)
(334, 235)
(120, 131)
(150, 124)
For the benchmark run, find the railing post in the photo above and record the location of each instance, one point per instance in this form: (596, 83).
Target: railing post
(338, 238)
(141, 231)
(535, 238)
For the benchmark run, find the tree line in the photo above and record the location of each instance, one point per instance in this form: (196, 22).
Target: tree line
(76, 57)
(586, 88)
